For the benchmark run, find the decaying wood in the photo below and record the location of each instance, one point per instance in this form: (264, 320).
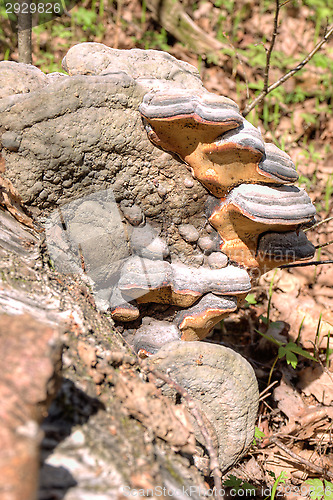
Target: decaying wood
(171, 16)
(88, 426)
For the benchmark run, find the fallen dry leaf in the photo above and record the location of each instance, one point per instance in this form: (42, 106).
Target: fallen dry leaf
(289, 400)
(316, 382)
(295, 312)
(277, 461)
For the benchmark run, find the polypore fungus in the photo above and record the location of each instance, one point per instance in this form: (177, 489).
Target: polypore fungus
(250, 210)
(189, 230)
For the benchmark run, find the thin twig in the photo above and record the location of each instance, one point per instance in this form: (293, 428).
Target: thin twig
(309, 465)
(288, 75)
(271, 45)
(264, 394)
(214, 463)
(324, 245)
(305, 264)
(318, 224)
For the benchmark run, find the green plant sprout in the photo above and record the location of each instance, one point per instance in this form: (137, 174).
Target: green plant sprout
(266, 319)
(328, 350)
(239, 485)
(281, 479)
(300, 331)
(320, 490)
(317, 343)
(287, 350)
(258, 435)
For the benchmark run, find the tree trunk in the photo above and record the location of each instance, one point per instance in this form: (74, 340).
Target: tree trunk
(24, 25)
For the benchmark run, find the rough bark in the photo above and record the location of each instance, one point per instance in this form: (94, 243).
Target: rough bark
(92, 445)
(24, 25)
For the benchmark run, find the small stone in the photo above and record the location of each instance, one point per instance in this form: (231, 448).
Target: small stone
(53, 197)
(206, 244)
(68, 183)
(188, 182)
(145, 242)
(43, 195)
(133, 214)
(48, 175)
(188, 232)
(36, 188)
(157, 249)
(11, 141)
(217, 260)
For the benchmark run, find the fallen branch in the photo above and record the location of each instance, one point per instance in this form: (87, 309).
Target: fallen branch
(288, 75)
(303, 461)
(171, 16)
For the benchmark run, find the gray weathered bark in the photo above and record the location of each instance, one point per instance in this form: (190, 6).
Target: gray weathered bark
(24, 25)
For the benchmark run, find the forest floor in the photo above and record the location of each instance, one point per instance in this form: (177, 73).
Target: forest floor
(293, 307)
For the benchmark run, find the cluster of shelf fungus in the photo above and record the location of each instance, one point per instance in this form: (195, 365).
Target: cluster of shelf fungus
(256, 211)
(172, 231)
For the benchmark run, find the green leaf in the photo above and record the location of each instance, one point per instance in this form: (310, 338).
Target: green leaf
(263, 319)
(291, 346)
(317, 488)
(258, 434)
(282, 352)
(233, 482)
(250, 298)
(328, 490)
(291, 359)
(239, 485)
